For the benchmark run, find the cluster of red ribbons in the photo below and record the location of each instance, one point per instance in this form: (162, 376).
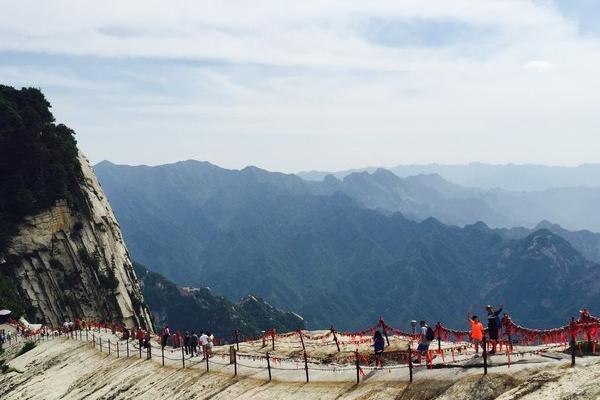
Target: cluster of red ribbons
(587, 327)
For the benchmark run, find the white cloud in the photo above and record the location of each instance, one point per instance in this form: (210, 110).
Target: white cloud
(538, 66)
(288, 75)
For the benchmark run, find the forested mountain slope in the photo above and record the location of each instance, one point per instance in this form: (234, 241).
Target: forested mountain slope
(195, 309)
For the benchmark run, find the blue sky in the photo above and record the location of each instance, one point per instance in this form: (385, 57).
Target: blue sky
(315, 85)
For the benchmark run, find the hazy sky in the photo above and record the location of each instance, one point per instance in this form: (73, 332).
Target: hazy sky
(294, 85)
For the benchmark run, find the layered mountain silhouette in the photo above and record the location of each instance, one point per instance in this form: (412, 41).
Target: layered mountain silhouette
(421, 196)
(514, 177)
(586, 242)
(336, 252)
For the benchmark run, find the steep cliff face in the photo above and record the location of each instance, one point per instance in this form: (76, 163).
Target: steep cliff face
(70, 263)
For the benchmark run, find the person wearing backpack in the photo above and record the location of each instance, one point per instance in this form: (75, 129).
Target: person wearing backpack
(194, 344)
(426, 337)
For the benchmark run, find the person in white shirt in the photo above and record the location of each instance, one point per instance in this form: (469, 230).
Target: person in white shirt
(209, 345)
(204, 343)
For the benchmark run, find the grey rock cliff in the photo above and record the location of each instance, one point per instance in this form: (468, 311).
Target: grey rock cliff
(74, 263)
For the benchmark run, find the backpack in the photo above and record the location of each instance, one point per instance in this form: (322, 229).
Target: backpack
(430, 335)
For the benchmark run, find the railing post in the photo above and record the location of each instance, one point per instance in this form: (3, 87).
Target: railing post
(306, 366)
(237, 339)
(410, 363)
(162, 354)
(337, 344)
(572, 351)
(382, 323)
(235, 362)
(269, 365)
(182, 358)
(572, 326)
(100, 339)
(206, 357)
(589, 337)
(273, 339)
(357, 366)
(484, 355)
(301, 339)
(438, 330)
(117, 344)
(109, 347)
(127, 344)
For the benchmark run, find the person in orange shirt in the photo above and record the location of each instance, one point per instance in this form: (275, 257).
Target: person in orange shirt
(476, 331)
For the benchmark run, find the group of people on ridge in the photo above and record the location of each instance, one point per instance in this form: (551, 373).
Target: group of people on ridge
(193, 343)
(427, 334)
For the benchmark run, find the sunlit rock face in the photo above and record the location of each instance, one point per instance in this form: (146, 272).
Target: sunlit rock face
(74, 263)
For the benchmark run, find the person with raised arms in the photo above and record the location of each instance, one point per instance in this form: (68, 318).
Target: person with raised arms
(493, 325)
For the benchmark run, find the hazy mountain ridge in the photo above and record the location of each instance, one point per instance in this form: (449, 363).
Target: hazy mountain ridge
(512, 177)
(586, 242)
(421, 196)
(317, 251)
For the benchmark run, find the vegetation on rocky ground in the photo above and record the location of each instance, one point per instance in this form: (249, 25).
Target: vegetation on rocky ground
(39, 165)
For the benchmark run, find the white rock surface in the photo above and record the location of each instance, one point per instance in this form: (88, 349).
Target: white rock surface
(71, 369)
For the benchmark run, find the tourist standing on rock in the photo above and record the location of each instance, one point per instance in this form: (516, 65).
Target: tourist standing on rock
(146, 339)
(210, 344)
(187, 341)
(425, 339)
(476, 331)
(493, 325)
(194, 345)
(176, 337)
(165, 335)
(140, 336)
(378, 346)
(204, 343)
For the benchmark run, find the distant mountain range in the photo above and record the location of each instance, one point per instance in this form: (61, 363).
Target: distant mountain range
(322, 250)
(524, 177)
(195, 309)
(424, 196)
